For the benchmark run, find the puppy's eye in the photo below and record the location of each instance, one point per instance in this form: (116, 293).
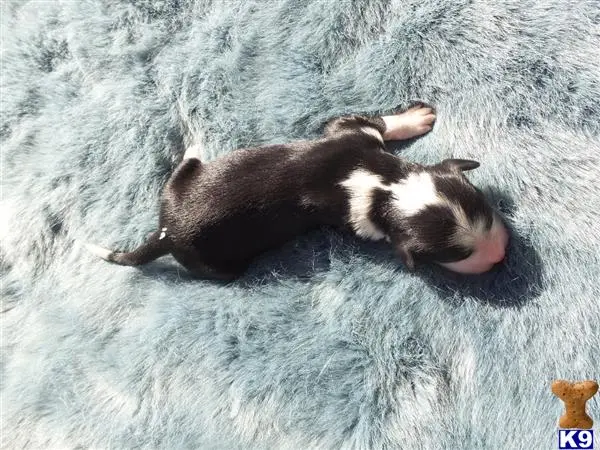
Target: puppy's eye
(453, 254)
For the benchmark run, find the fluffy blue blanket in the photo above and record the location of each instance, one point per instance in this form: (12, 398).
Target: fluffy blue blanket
(327, 342)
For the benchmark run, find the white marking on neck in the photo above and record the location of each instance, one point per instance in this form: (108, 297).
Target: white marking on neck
(415, 193)
(410, 196)
(373, 132)
(360, 185)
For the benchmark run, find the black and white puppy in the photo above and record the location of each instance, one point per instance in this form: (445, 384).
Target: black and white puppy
(216, 217)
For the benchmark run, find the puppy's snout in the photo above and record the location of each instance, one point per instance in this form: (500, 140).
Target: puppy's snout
(497, 255)
(496, 245)
(492, 251)
(489, 250)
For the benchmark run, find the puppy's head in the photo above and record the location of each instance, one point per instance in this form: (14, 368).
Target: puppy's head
(450, 222)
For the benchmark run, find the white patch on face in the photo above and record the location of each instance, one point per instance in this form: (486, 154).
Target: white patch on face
(360, 185)
(415, 193)
(467, 232)
(373, 132)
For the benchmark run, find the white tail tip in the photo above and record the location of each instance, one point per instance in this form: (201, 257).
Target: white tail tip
(101, 252)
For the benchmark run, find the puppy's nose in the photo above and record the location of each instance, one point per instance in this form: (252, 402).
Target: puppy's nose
(498, 255)
(494, 250)
(498, 243)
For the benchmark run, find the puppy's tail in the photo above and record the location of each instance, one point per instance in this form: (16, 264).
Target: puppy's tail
(156, 245)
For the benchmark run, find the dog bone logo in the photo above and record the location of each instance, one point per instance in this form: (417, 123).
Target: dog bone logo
(575, 396)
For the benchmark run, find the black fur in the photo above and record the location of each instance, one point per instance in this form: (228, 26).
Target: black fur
(218, 216)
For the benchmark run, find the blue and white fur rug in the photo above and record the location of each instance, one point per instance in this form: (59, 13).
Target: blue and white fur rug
(327, 342)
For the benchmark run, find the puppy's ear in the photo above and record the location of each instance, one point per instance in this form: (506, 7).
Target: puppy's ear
(403, 250)
(406, 257)
(460, 164)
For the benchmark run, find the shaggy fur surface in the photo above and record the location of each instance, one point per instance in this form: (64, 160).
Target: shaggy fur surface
(328, 342)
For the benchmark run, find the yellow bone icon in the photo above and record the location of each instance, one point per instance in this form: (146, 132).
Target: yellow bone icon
(575, 396)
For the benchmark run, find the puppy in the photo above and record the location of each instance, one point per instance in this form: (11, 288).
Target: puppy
(216, 217)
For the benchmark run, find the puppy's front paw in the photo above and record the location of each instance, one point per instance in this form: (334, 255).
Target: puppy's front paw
(414, 122)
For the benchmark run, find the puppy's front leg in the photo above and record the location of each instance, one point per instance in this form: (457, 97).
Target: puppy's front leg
(414, 122)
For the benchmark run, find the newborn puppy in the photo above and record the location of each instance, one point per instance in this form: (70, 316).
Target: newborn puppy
(216, 217)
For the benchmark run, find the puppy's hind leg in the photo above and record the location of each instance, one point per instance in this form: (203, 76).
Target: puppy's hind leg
(411, 123)
(414, 122)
